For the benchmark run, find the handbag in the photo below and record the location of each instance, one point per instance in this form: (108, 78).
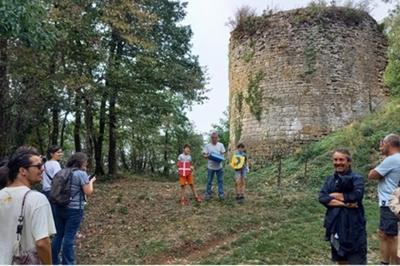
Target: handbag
(21, 256)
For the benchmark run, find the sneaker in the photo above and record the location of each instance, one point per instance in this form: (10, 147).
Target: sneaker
(221, 198)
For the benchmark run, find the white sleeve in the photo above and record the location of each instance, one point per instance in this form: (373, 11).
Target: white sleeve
(42, 222)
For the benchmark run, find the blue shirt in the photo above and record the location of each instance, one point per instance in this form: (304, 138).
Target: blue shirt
(79, 179)
(389, 168)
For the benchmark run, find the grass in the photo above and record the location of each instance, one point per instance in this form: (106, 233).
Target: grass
(137, 220)
(278, 226)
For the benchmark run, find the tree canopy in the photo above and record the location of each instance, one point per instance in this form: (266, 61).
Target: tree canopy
(111, 78)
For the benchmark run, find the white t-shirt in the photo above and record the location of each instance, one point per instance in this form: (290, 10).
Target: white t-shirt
(51, 167)
(38, 220)
(185, 158)
(218, 148)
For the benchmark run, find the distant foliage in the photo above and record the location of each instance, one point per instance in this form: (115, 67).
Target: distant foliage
(392, 73)
(222, 128)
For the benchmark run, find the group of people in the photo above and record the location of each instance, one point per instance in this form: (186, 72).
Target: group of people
(35, 229)
(29, 218)
(342, 194)
(214, 152)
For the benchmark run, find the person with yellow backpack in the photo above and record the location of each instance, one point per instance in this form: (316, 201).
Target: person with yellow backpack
(240, 165)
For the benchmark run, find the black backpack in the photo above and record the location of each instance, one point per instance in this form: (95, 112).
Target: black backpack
(60, 193)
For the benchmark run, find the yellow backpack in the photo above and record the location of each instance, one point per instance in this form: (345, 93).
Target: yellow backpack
(237, 161)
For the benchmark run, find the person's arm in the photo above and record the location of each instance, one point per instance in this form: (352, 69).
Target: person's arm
(41, 225)
(336, 203)
(374, 175)
(88, 188)
(43, 248)
(324, 195)
(382, 169)
(357, 194)
(337, 196)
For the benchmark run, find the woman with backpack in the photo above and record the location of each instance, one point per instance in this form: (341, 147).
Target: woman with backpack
(51, 167)
(68, 214)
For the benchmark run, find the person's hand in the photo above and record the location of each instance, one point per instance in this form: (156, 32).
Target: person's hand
(93, 179)
(352, 205)
(337, 196)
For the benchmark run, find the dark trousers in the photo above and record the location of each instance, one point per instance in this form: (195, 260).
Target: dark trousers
(67, 223)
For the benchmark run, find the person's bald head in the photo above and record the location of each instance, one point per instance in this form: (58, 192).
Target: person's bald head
(390, 144)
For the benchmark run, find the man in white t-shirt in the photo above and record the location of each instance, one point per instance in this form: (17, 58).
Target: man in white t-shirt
(25, 169)
(213, 167)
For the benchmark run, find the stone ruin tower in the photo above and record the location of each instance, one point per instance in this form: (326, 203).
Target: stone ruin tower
(297, 75)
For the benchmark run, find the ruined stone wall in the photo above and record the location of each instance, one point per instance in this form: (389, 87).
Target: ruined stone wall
(298, 75)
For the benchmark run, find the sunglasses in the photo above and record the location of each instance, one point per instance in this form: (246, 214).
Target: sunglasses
(38, 166)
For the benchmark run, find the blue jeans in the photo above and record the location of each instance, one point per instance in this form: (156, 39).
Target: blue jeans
(220, 181)
(67, 222)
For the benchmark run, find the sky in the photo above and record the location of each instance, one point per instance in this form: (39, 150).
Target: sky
(208, 20)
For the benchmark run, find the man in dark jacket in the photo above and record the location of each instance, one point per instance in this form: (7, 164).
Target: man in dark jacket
(345, 222)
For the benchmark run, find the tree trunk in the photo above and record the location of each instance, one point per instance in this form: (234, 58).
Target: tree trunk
(166, 163)
(112, 126)
(112, 150)
(77, 128)
(55, 128)
(89, 131)
(98, 142)
(63, 126)
(4, 90)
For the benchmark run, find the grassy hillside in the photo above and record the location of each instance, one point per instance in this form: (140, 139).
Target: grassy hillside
(137, 220)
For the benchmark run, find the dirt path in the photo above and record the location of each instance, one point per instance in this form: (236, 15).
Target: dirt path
(139, 221)
(192, 253)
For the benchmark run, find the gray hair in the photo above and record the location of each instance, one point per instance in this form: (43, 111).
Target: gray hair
(345, 152)
(393, 140)
(214, 133)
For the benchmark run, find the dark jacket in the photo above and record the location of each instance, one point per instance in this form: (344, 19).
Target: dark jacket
(348, 223)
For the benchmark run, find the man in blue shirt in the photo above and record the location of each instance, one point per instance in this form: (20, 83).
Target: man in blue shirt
(388, 175)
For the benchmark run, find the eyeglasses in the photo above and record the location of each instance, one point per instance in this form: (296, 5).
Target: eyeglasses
(38, 166)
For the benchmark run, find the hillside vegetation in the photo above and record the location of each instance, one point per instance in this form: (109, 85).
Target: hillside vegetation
(137, 220)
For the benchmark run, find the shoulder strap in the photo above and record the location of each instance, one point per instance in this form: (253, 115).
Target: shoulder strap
(21, 216)
(47, 174)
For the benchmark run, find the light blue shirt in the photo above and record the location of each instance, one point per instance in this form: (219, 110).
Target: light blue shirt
(389, 168)
(79, 179)
(51, 168)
